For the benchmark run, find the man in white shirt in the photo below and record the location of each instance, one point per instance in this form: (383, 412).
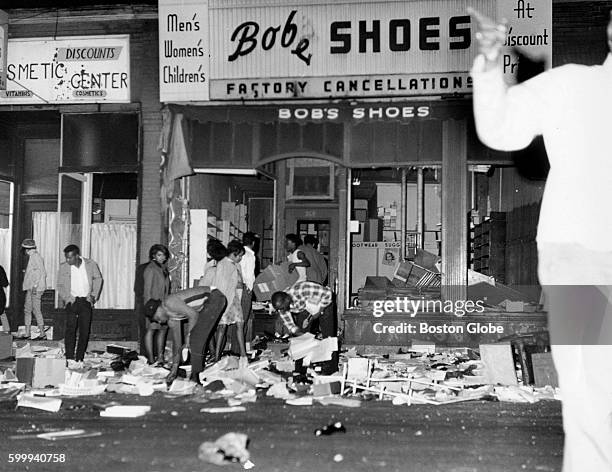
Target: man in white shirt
(79, 284)
(570, 107)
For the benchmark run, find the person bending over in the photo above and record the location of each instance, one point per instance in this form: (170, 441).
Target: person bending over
(202, 307)
(305, 302)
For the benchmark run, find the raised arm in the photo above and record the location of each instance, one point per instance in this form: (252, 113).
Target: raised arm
(507, 118)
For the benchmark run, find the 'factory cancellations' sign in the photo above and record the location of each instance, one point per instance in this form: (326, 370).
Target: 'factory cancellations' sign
(68, 70)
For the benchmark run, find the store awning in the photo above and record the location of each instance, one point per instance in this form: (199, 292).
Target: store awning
(351, 134)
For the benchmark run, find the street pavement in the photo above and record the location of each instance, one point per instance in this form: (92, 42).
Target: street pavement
(477, 436)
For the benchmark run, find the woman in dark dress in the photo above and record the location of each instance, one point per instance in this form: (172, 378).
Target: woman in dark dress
(3, 284)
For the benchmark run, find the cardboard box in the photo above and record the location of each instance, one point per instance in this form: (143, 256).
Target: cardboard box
(40, 372)
(373, 230)
(326, 389)
(413, 275)
(499, 363)
(360, 214)
(544, 372)
(273, 279)
(227, 211)
(425, 259)
(6, 345)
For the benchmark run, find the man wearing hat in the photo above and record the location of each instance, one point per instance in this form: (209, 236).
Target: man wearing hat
(34, 284)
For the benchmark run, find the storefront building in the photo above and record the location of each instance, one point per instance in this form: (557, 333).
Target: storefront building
(360, 113)
(349, 121)
(79, 130)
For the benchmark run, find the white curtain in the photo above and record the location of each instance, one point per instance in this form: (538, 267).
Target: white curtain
(113, 247)
(51, 249)
(5, 250)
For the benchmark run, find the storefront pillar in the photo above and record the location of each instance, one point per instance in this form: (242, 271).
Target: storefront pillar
(338, 279)
(454, 210)
(281, 200)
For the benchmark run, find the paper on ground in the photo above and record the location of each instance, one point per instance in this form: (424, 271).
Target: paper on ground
(223, 409)
(40, 403)
(125, 411)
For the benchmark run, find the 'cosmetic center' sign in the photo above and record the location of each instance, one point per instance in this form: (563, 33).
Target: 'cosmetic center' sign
(68, 70)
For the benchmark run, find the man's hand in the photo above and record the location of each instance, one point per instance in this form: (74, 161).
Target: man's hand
(491, 36)
(308, 321)
(291, 267)
(91, 299)
(171, 376)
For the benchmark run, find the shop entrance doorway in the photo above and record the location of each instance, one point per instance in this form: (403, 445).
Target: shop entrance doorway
(98, 213)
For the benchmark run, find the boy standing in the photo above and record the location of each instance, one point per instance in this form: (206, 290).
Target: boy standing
(34, 284)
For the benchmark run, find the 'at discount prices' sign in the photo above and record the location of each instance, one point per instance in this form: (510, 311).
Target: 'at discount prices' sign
(529, 34)
(68, 70)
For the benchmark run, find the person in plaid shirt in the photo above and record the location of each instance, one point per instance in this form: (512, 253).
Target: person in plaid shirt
(306, 301)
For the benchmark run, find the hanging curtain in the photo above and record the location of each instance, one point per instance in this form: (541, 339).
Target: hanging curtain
(113, 247)
(5, 249)
(44, 224)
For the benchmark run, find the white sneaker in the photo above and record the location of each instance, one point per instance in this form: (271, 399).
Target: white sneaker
(74, 365)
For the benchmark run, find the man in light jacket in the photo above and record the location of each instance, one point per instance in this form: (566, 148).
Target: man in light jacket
(79, 284)
(569, 106)
(34, 284)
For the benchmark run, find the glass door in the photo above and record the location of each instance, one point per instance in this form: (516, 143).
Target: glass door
(6, 228)
(74, 216)
(72, 221)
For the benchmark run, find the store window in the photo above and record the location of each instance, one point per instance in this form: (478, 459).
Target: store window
(310, 179)
(395, 214)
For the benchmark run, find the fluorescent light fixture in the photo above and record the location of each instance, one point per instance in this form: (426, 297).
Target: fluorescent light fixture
(206, 170)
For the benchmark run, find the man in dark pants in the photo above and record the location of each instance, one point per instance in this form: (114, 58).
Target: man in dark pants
(202, 307)
(79, 284)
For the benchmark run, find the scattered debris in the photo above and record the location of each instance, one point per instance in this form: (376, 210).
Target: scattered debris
(28, 400)
(223, 409)
(125, 411)
(69, 434)
(231, 447)
(330, 429)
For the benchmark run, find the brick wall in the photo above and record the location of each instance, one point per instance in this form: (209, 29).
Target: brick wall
(143, 31)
